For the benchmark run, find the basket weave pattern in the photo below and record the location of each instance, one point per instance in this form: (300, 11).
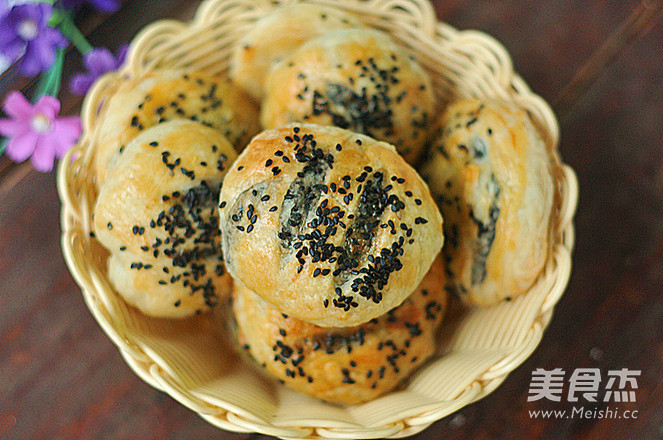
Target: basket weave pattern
(192, 362)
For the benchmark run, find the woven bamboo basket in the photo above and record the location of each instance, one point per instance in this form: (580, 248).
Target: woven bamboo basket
(191, 360)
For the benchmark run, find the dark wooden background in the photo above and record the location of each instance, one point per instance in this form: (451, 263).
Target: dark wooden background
(61, 378)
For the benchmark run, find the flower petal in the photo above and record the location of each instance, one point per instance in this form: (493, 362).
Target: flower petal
(81, 83)
(14, 127)
(122, 54)
(55, 38)
(42, 49)
(105, 5)
(11, 45)
(21, 147)
(66, 133)
(100, 61)
(31, 64)
(41, 13)
(44, 155)
(17, 106)
(48, 106)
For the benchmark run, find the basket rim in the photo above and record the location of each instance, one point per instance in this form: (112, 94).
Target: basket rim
(75, 228)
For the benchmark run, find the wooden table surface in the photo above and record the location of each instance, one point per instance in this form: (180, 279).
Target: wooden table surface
(62, 378)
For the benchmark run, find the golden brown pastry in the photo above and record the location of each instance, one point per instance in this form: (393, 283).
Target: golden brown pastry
(491, 175)
(165, 95)
(357, 79)
(157, 214)
(329, 226)
(275, 36)
(343, 365)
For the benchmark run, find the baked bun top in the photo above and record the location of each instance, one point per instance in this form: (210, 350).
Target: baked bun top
(165, 95)
(157, 214)
(275, 36)
(358, 79)
(329, 226)
(491, 174)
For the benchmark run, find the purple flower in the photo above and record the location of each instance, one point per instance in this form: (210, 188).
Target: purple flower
(36, 131)
(107, 6)
(25, 27)
(97, 62)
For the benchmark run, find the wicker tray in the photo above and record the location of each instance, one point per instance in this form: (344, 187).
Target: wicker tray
(190, 359)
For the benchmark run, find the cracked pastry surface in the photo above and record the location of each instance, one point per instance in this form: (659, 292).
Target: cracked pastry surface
(491, 175)
(157, 214)
(166, 95)
(343, 365)
(330, 226)
(278, 34)
(358, 79)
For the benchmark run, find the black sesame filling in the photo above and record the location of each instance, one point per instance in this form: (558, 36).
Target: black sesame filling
(486, 233)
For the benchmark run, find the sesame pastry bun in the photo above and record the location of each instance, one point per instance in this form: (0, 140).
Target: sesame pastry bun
(157, 214)
(343, 365)
(357, 79)
(164, 95)
(491, 175)
(275, 36)
(329, 226)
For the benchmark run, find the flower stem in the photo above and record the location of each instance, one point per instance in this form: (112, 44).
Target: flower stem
(63, 21)
(49, 83)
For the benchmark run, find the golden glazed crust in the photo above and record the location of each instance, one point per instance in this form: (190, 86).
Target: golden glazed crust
(157, 214)
(330, 226)
(166, 95)
(491, 175)
(349, 365)
(275, 36)
(357, 79)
